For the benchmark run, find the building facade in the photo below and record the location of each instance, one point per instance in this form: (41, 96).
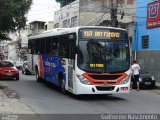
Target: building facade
(67, 16)
(146, 43)
(3, 50)
(93, 12)
(36, 27)
(17, 48)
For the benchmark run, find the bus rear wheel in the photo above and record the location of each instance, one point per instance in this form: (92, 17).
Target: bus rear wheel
(37, 76)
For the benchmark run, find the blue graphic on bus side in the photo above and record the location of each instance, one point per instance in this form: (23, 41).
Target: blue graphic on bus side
(52, 67)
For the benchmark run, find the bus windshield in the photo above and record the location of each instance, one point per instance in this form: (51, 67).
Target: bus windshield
(102, 56)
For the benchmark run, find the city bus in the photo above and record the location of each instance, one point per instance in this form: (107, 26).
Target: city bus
(82, 60)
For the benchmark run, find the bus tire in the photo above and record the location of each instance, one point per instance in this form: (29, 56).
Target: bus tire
(62, 85)
(37, 75)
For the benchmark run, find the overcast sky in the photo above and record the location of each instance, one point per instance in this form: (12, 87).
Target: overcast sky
(42, 10)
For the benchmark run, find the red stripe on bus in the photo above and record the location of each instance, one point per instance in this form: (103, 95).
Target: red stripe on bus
(96, 79)
(41, 70)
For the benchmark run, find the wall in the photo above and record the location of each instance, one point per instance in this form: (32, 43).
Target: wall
(148, 57)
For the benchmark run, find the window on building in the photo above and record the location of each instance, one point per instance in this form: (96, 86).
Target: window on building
(31, 27)
(65, 23)
(74, 21)
(145, 42)
(40, 25)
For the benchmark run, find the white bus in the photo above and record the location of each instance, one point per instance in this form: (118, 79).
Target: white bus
(82, 60)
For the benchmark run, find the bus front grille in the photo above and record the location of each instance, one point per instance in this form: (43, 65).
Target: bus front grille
(105, 77)
(103, 88)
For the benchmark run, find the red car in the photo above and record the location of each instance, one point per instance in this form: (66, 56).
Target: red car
(8, 70)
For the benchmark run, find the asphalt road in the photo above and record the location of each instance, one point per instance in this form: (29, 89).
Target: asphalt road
(47, 99)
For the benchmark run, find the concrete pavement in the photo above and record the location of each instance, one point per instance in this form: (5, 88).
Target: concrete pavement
(13, 105)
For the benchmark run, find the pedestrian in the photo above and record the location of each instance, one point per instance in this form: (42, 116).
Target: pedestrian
(135, 68)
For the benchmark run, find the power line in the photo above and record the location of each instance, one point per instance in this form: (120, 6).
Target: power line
(102, 16)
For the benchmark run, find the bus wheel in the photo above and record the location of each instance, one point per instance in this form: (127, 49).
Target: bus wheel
(37, 76)
(62, 85)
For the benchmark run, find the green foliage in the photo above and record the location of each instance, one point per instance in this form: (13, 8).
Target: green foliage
(12, 14)
(59, 1)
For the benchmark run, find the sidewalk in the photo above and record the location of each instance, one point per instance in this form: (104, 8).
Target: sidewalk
(13, 105)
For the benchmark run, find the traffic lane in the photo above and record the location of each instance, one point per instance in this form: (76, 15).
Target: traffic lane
(46, 99)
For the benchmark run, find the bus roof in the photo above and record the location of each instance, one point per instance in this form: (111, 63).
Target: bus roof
(60, 31)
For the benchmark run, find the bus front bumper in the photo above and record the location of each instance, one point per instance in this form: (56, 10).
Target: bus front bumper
(96, 89)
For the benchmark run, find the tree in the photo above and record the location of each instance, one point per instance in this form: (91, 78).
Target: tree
(12, 15)
(59, 1)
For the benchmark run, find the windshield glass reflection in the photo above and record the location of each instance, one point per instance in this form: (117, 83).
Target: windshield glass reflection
(103, 56)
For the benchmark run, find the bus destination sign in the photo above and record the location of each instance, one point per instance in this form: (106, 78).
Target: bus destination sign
(102, 34)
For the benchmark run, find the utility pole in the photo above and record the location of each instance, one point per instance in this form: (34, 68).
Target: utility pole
(113, 12)
(19, 43)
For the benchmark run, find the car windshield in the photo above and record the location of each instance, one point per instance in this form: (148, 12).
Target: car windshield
(103, 56)
(6, 64)
(18, 62)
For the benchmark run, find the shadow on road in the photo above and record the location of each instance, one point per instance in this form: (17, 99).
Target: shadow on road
(96, 97)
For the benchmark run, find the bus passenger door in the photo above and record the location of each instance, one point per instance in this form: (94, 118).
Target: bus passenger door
(71, 62)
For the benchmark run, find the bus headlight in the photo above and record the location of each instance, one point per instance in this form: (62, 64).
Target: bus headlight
(125, 80)
(83, 80)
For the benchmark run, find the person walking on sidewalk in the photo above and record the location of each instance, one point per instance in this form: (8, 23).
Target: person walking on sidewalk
(135, 68)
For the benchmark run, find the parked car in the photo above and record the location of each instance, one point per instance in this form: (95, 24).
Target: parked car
(18, 64)
(8, 70)
(25, 69)
(146, 80)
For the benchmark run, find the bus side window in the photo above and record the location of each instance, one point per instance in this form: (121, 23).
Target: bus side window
(32, 43)
(48, 46)
(55, 46)
(63, 46)
(37, 47)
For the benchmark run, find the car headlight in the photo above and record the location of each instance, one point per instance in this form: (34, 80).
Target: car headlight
(152, 77)
(83, 80)
(125, 80)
